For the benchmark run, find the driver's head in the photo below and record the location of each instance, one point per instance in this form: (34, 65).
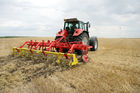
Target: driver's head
(74, 24)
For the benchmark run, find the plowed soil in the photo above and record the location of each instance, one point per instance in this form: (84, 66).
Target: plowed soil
(113, 68)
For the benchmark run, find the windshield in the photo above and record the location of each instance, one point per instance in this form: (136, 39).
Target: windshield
(71, 25)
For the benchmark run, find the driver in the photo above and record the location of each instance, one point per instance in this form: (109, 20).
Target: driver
(74, 26)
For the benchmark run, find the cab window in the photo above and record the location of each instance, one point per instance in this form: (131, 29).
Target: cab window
(82, 26)
(71, 25)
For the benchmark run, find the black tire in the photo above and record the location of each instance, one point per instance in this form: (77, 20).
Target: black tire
(80, 38)
(93, 42)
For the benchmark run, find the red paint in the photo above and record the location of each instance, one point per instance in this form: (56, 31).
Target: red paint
(77, 32)
(56, 44)
(61, 33)
(60, 43)
(85, 58)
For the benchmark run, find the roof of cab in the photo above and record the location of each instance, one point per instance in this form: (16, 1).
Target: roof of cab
(72, 20)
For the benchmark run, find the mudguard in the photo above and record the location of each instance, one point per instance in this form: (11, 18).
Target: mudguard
(77, 32)
(62, 33)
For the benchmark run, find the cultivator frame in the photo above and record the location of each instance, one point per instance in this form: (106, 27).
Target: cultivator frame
(49, 47)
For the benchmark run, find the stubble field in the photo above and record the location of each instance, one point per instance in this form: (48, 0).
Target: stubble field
(113, 68)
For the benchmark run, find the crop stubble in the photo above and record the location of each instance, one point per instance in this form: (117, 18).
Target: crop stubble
(115, 67)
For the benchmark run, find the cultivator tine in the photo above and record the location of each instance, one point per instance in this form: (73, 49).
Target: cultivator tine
(62, 58)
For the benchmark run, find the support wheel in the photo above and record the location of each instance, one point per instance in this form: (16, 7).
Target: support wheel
(85, 58)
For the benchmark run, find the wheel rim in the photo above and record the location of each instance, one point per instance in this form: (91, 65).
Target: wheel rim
(95, 45)
(84, 41)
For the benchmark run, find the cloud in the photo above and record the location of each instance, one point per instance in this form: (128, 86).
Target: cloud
(45, 17)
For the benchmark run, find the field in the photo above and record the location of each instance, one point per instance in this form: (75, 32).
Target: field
(114, 68)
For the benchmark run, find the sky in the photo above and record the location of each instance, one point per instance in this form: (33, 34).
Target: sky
(108, 18)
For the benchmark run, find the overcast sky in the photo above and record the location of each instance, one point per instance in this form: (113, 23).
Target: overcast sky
(108, 18)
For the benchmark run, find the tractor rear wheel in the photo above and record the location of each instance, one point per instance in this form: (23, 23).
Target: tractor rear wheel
(94, 43)
(84, 39)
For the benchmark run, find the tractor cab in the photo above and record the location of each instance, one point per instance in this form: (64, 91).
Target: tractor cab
(71, 27)
(73, 24)
(74, 27)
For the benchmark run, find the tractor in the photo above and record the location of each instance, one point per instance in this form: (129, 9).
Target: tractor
(70, 42)
(77, 31)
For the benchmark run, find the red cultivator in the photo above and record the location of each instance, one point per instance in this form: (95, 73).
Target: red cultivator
(65, 46)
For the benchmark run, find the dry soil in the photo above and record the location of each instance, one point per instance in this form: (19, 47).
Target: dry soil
(113, 68)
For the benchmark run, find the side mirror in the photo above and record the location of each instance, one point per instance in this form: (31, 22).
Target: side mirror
(89, 25)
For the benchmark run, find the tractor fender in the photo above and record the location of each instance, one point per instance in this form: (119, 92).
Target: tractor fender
(77, 32)
(80, 31)
(62, 33)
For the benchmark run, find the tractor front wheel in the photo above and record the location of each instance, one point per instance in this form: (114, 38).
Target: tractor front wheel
(57, 49)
